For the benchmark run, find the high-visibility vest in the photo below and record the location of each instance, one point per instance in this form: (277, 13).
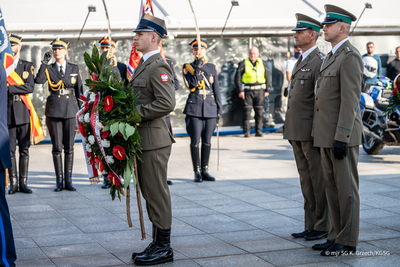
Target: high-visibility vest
(253, 76)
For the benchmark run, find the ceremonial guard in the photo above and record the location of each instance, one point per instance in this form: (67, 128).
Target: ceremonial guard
(298, 126)
(338, 131)
(203, 107)
(117, 66)
(154, 82)
(253, 83)
(65, 86)
(19, 119)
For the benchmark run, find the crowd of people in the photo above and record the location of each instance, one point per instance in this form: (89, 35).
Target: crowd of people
(323, 123)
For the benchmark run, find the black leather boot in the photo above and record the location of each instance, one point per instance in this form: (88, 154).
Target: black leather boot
(12, 174)
(258, 117)
(23, 175)
(194, 151)
(69, 162)
(147, 249)
(57, 160)
(106, 183)
(205, 156)
(160, 252)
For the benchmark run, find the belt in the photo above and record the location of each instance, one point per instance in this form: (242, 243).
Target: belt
(15, 98)
(255, 87)
(63, 92)
(202, 92)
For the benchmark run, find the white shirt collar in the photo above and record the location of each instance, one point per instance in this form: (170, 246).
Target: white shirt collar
(149, 54)
(334, 49)
(306, 53)
(64, 65)
(16, 60)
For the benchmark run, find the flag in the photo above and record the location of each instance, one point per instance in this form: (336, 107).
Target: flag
(146, 7)
(6, 55)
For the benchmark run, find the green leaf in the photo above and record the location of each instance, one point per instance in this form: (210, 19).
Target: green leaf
(112, 88)
(129, 130)
(127, 174)
(106, 128)
(114, 128)
(122, 130)
(103, 59)
(120, 95)
(88, 62)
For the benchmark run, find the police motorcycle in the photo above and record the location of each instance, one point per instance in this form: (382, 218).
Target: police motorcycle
(380, 127)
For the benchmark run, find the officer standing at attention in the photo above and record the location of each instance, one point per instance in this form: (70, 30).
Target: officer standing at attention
(19, 119)
(65, 87)
(105, 46)
(338, 130)
(298, 128)
(154, 81)
(253, 82)
(203, 107)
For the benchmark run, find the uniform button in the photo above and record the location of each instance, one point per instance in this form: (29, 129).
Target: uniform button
(329, 73)
(290, 97)
(316, 98)
(291, 87)
(58, 96)
(67, 97)
(318, 86)
(317, 109)
(348, 136)
(288, 107)
(148, 124)
(303, 76)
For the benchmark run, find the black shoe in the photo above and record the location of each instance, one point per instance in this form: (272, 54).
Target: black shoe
(160, 252)
(323, 246)
(246, 135)
(169, 182)
(205, 157)
(197, 175)
(57, 160)
(259, 134)
(206, 176)
(69, 162)
(23, 175)
(194, 152)
(147, 249)
(315, 235)
(12, 177)
(106, 183)
(338, 250)
(302, 234)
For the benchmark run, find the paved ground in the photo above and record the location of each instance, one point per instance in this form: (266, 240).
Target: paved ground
(245, 218)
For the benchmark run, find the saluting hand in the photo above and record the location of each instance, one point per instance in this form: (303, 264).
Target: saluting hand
(47, 58)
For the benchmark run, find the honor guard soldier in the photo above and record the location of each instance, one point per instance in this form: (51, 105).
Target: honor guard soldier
(65, 87)
(19, 119)
(338, 131)
(203, 107)
(298, 126)
(105, 46)
(253, 82)
(154, 82)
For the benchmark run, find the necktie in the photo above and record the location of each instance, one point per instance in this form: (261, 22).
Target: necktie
(61, 71)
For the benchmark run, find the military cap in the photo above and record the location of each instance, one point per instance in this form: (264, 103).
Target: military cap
(336, 14)
(59, 43)
(14, 39)
(305, 22)
(150, 23)
(195, 44)
(105, 42)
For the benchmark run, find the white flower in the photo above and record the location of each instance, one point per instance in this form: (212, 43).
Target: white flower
(91, 139)
(110, 159)
(105, 143)
(80, 119)
(92, 96)
(88, 148)
(104, 172)
(99, 125)
(86, 93)
(87, 117)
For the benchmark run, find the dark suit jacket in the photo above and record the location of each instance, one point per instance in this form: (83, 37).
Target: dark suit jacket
(5, 157)
(65, 106)
(18, 113)
(153, 80)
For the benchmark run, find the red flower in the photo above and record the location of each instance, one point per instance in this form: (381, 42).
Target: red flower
(395, 92)
(99, 163)
(87, 106)
(119, 152)
(104, 134)
(84, 98)
(108, 103)
(82, 130)
(113, 178)
(94, 77)
(119, 133)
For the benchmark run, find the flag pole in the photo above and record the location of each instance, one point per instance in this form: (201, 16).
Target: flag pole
(197, 26)
(109, 27)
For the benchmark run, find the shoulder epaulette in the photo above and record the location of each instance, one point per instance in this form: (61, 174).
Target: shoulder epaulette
(321, 55)
(348, 49)
(189, 68)
(72, 63)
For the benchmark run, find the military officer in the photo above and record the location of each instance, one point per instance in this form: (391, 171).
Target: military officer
(105, 46)
(203, 107)
(253, 83)
(19, 119)
(154, 80)
(65, 86)
(298, 127)
(338, 130)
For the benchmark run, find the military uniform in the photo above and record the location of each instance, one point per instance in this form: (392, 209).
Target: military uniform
(61, 108)
(202, 109)
(19, 121)
(337, 131)
(7, 246)
(176, 86)
(118, 67)
(254, 91)
(153, 81)
(297, 130)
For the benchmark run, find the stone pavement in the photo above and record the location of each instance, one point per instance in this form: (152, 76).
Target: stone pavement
(245, 218)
